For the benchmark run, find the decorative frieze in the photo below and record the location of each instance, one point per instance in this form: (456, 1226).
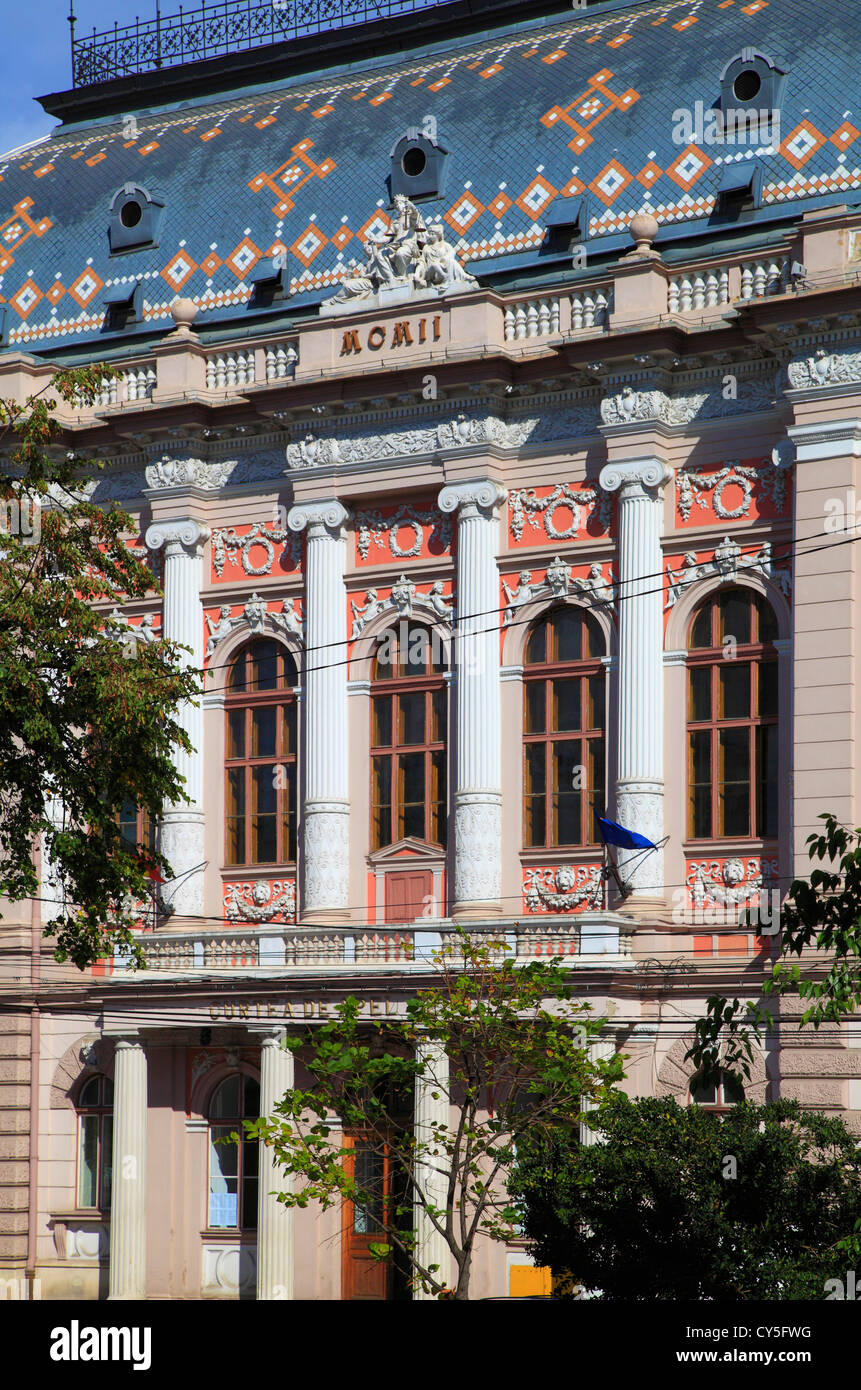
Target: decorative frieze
(260, 901)
(824, 369)
(405, 599)
(563, 889)
(728, 563)
(731, 885)
(629, 406)
(596, 587)
(257, 618)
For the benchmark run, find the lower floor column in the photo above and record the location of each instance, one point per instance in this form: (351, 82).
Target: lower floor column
(128, 1195)
(274, 1220)
(431, 1112)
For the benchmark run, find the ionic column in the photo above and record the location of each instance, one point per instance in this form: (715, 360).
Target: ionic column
(478, 778)
(128, 1190)
(326, 808)
(182, 826)
(274, 1220)
(640, 767)
(431, 1107)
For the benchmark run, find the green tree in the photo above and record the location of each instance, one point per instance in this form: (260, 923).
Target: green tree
(680, 1203)
(518, 1061)
(83, 726)
(822, 913)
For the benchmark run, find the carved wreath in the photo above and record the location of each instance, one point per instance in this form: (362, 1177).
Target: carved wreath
(690, 486)
(373, 527)
(226, 539)
(525, 505)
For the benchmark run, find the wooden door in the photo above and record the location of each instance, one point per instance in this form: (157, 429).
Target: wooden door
(407, 892)
(362, 1276)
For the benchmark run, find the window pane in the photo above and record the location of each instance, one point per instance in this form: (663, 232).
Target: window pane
(700, 786)
(594, 786)
(235, 819)
(225, 1101)
(700, 689)
(383, 669)
(265, 665)
(767, 621)
(236, 733)
(264, 723)
(701, 631)
(128, 821)
(381, 802)
(369, 1173)
(107, 1091)
(566, 797)
(567, 633)
(735, 615)
(288, 814)
(223, 1178)
(767, 675)
(237, 671)
(766, 780)
(411, 718)
(593, 637)
(536, 647)
(382, 721)
(107, 1160)
(411, 795)
(415, 658)
(734, 783)
(595, 695)
(734, 690)
(264, 821)
(438, 716)
(91, 1092)
(535, 702)
(534, 789)
(437, 832)
(250, 1100)
(249, 1200)
(566, 705)
(88, 1164)
(288, 730)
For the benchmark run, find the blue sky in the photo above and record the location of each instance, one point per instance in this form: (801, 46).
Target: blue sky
(35, 57)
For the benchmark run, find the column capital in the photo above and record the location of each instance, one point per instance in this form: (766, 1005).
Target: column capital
(177, 536)
(472, 495)
(635, 475)
(321, 518)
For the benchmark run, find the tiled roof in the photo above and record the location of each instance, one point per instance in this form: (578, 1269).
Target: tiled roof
(529, 115)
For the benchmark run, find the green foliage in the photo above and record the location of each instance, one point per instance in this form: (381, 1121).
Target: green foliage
(81, 724)
(652, 1213)
(518, 1063)
(821, 913)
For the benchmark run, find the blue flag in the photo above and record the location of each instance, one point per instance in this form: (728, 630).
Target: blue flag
(614, 834)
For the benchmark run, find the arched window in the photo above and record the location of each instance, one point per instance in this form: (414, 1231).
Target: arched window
(719, 1095)
(95, 1109)
(233, 1166)
(408, 738)
(261, 756)
(563, 730)
(732, 718)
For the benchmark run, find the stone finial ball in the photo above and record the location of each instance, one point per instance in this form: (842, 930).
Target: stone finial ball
(643, 229)
(183, 312)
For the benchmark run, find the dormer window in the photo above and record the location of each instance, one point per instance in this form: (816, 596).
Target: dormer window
(135, 219)
(739, 190)
(751, 90)
(123, 306)
(418, 163)
(567, 223)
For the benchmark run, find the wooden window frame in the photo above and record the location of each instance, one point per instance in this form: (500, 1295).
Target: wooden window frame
(104, 1112)
(430, 683)
(247, 701)
(757, 655)
(546, 672)
(229, 1123)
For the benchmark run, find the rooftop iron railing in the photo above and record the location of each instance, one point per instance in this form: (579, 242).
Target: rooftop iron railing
(216, 29)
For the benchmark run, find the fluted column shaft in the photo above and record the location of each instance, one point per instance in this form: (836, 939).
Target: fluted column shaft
(326, 808)
(478, 774)
(128, 1194)
(182, 827)
(274, 1220)
(640, 775)
(431, 1102)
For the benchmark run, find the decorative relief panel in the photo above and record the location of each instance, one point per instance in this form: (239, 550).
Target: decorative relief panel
(257, 616)
(751, 490)
(404, 599)
(567, 888)
(726, 562)
(728, 885)
(547, 515)
(260, 900)
(408, 532)
(594, 583)
(254, 550)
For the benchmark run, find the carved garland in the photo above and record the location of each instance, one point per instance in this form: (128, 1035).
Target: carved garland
(690, 486)
(260, 901)
(226, 539)
(525, 505)
(372, 527)
(560, 890)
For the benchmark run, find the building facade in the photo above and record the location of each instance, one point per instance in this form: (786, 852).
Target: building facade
(489, 414)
